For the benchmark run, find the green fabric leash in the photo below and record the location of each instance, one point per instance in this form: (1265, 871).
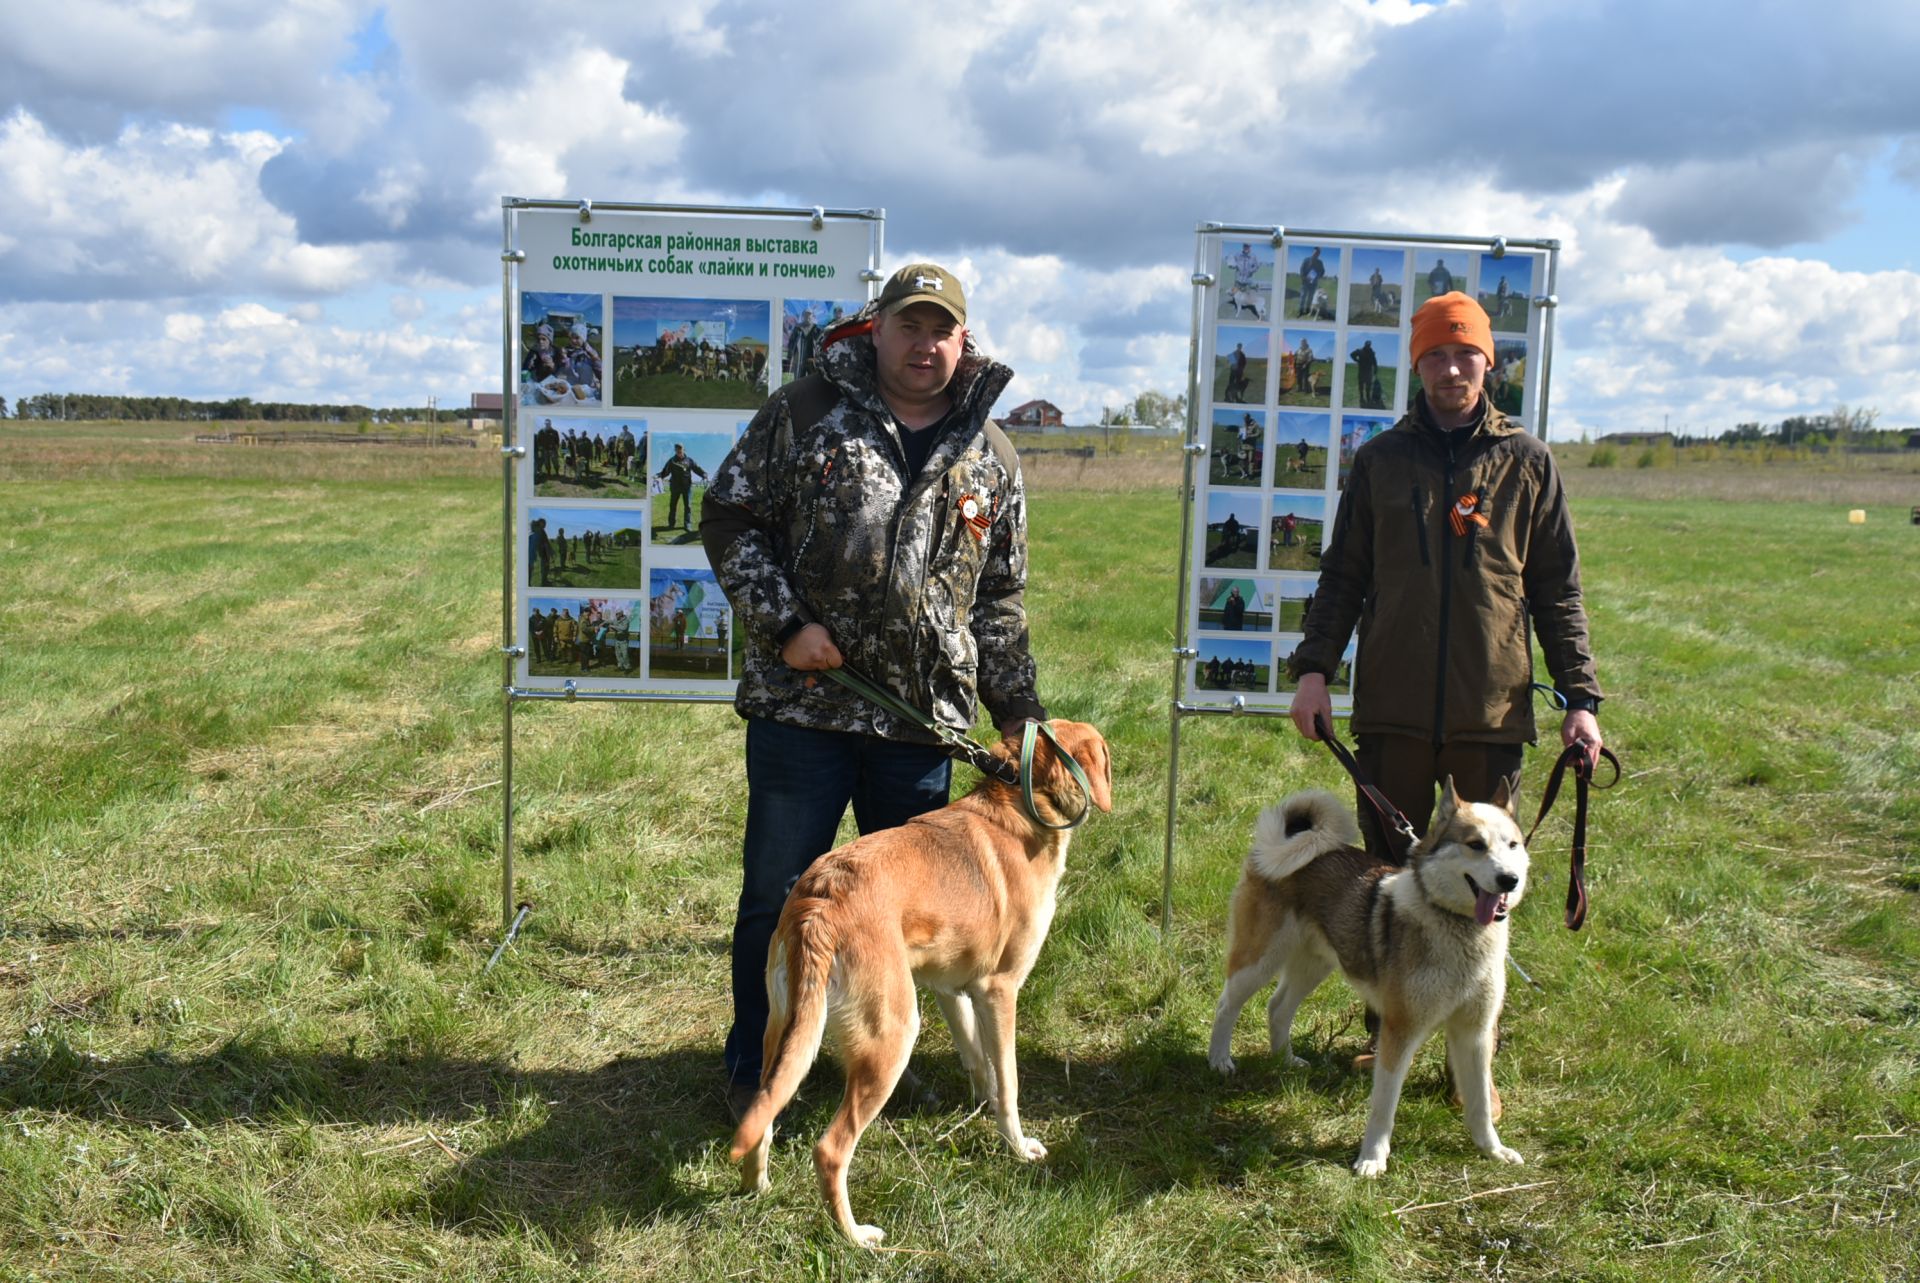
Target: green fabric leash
(1027, 740)
(974, 753)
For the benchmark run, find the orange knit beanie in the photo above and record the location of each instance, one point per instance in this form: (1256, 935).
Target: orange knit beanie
(1451, 318)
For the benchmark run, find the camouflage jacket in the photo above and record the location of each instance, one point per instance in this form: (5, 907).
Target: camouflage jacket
(1448, 554)
(819, 523)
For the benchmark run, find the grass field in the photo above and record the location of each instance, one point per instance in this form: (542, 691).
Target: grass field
(593, 484)
(1329, 285)
(1515, 320)
(1227, 464)
(1251, 392)
(1292, 472)
(1303, 553)
(614, 567)
(1360, 308)
(249, 839)
(684, 513)
(1321, 384)
(683, 391)
(1354, 395)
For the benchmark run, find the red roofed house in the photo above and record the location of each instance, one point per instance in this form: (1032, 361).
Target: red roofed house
(1033, 414)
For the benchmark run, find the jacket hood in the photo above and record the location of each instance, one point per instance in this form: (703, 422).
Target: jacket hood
(847, 358)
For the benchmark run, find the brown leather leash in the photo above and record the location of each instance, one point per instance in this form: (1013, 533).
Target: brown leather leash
(1576, 756)
(1390, 817)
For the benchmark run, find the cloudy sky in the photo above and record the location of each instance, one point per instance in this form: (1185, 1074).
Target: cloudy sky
(199, 200)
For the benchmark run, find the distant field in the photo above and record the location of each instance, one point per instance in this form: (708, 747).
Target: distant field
(250, 713)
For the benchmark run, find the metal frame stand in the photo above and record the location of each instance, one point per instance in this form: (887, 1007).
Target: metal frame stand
(1195, 447)
(514, 914)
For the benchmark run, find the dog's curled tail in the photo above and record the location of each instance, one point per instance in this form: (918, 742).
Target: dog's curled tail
(797, 982)
(1293, 832)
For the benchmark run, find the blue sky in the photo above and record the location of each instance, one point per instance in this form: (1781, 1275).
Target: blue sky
(197, 200)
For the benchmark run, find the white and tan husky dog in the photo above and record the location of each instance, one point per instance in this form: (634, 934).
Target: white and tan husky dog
(1425, 945)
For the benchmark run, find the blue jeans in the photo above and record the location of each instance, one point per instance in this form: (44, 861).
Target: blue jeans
(799, 782)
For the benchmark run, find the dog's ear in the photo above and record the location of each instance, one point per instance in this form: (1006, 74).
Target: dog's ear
(1503, 797)
(1087, 748)
(1449, 800)
(1096, 759)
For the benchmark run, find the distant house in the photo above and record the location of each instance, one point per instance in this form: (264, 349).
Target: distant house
(1913, 440)
(485, 407)
(1033, 414)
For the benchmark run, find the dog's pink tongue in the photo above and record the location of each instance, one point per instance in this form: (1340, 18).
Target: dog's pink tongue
(1486, 905)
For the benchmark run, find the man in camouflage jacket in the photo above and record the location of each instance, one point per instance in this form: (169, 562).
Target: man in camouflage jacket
(871, 516)
(1451, 548)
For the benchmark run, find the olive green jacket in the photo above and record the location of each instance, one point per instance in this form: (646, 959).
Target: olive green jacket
(1447, 602)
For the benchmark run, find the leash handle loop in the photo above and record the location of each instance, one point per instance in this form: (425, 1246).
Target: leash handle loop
(1029, 738)
(1577, 757)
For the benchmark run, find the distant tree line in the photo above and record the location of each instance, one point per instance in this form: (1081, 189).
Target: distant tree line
(1847, 428)
(97, 406)
(1152, 408)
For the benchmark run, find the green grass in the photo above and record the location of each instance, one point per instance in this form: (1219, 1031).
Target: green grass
(1256, 375)
(1322, 396)
(1302, 553)
(1515, 321)
(686, 392)
(1330, 283)
(619, 566)
(1388, 377)
(1290, 472)
(250, 715)
(598, 483)
(1360, 308)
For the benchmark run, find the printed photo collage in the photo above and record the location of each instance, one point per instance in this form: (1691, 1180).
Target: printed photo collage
(627, 408)
(1303, 360)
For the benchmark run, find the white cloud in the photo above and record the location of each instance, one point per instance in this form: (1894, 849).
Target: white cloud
(1059, 157)
(157, 211)
(90, 65)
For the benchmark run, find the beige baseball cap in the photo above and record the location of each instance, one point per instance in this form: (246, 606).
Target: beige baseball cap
(924, 283)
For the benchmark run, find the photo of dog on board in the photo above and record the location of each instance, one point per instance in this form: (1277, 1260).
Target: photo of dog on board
(1246, 280)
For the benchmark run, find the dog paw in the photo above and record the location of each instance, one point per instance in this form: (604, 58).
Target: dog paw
(1029, 1150)
(1501, 1154)
(1296, 1062)
(868, 1235)
(1223, 1063)
(1369, 1167)
(751, 1184)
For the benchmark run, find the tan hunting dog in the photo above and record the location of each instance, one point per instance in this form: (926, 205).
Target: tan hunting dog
(958, 900)
(1425, 945)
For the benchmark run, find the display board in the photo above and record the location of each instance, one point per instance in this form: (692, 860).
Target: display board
(1301, 357)
(641, 340)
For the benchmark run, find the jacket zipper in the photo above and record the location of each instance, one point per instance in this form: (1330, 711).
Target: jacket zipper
(923, 694)
(1446, 607)
(1420, 526)
(813, 508)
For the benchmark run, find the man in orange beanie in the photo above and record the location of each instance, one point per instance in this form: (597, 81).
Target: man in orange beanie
(1451, 548)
